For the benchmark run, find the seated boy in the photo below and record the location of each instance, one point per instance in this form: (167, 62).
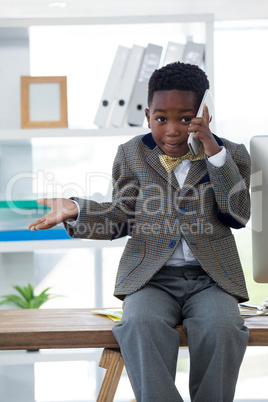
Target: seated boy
(181, 264)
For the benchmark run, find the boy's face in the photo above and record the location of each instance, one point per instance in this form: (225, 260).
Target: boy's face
(169, 116)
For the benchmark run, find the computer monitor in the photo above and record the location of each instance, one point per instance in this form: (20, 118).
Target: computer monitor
(259, 206)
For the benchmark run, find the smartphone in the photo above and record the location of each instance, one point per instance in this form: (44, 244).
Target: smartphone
(207, 100)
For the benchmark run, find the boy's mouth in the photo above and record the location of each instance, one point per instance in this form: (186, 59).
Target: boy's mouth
(171, 145)
(175, 149)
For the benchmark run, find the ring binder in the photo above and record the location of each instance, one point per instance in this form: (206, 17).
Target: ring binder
(138, 101)
(127, 85)
(194, 53)
(111, 87)
(173, 53)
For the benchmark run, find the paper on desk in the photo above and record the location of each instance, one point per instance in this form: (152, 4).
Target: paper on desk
(114, 315)
(252, 310)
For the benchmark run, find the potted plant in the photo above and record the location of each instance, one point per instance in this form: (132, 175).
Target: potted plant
(26, 298)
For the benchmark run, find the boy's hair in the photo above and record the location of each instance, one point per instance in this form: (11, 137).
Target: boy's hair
(181, 76)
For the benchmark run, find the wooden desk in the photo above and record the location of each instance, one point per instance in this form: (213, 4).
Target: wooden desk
(55, 329)
(79, 328)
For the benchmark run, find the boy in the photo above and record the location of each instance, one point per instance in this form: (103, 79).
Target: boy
(181, 264)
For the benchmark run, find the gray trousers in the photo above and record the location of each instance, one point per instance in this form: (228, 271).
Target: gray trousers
(149, 345)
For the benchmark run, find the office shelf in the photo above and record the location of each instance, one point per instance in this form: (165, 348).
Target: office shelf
(34, 245)
(29, 134)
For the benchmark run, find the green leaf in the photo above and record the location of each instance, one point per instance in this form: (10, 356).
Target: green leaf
(37, 302)
(15, 300)
(27, 298)
(26, 291)
(44, 292)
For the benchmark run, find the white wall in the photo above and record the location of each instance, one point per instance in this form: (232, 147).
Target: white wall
(14, 62)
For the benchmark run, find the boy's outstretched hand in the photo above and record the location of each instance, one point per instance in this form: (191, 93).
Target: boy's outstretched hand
(62, 209)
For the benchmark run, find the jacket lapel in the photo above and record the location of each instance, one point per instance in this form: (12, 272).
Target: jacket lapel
(197, 172)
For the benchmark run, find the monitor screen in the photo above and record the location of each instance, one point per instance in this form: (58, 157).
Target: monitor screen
(259, 205)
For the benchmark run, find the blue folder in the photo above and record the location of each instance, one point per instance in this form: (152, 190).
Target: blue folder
(23, 235)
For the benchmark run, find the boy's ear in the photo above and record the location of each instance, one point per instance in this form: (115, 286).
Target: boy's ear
(147, 114)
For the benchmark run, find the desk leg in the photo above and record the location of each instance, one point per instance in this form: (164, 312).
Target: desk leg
(112, 361)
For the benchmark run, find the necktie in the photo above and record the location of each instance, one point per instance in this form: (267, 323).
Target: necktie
(170, 162)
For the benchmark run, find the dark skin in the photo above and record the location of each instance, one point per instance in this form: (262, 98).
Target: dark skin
(171, 117)
(61, 210)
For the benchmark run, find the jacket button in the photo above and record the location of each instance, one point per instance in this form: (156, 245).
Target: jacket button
(181, 210)
(172, 243)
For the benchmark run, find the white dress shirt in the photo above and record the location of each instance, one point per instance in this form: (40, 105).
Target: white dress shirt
(182, 254)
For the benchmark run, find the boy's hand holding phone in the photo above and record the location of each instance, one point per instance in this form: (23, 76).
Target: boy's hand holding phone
(61, 210)
(199, 131)
(199, 127)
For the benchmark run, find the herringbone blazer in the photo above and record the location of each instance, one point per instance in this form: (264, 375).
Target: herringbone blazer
(149, 205)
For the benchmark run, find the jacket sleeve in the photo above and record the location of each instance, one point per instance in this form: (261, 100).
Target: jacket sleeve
(109, 220)
(231, 187)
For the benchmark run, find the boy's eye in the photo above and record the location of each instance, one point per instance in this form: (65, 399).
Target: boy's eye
(186, 119)
(161, 119)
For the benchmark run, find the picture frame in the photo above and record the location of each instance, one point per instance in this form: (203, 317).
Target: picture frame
(44, 102)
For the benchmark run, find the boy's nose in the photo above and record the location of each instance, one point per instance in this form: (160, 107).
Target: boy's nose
(173, 130)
